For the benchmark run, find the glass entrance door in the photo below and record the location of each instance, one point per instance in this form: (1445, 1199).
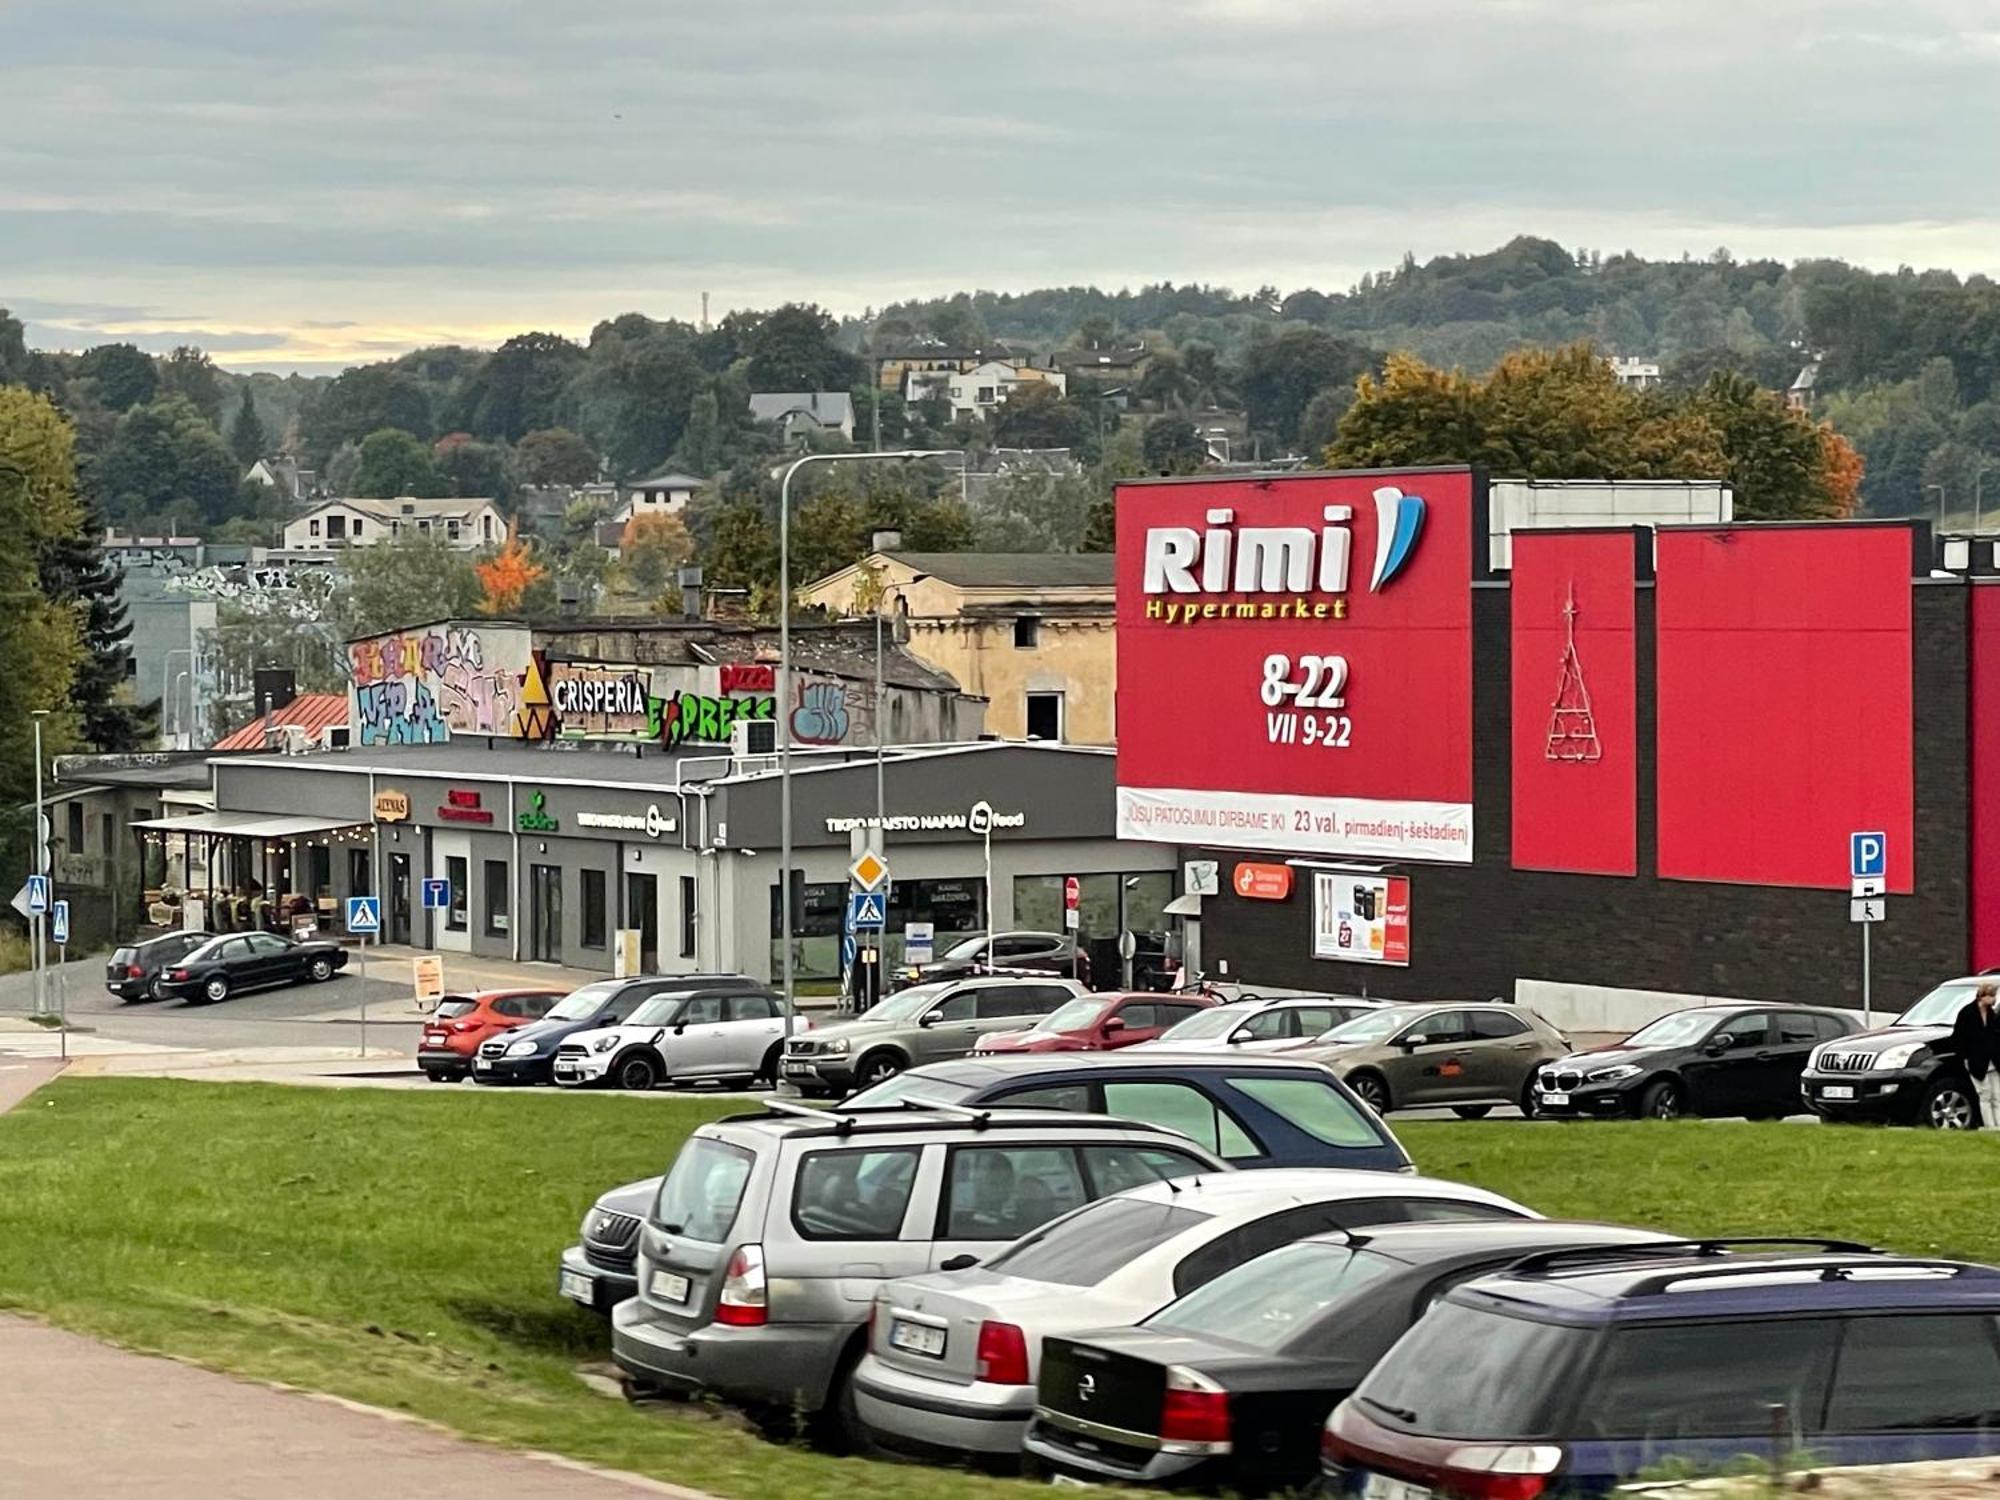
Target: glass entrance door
(642, 910)
(396, 920)
(545, 913)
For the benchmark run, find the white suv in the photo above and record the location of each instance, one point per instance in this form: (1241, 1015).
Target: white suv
(732, 1037)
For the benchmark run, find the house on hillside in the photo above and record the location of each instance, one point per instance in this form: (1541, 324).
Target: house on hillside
(1032, 632)
(1635, 372)
(1800, 397)
(982, 390)
(298, 486)
(1106, 366)
(799, 414)
(893, 369)
(465, 524)
(667, 493)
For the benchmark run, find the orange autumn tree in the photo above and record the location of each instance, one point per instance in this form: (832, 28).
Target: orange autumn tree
(507, 575)
(1840, 468)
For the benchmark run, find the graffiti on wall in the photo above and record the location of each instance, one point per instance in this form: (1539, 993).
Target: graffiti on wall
(683, 717)
(597, 702)
(422, 686)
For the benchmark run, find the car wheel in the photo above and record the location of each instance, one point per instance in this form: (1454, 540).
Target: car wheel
(215, 989)
(1472, 1111)
(320, 970)
(155, 988)
(1531, 1104)
(636, 1073)
(767, 1072)
(1372, 1089)
(1661, 1101)
(1948, 1105)
(875, 1067)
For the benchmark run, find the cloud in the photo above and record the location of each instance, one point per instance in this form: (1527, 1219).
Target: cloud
(450, 167)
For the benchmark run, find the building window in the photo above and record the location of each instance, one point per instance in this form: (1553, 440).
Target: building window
(457, 870)
(1027, 632)
(593, 909)
(687, 916)
(486, 527)
(1045, 716)
(984, 396)
(499, 886)
(360, 873)
(76, 828)
(312, 526)
(357, 528)
(451, 530)
(107, 833)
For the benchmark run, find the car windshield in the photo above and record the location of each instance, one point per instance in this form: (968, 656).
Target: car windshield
(700, 1196)
(581, 1005)
(1270, 1299)
(453, 1005)
(1376, 1026)
(654, 1012)
(913, 1088)
(1209, 1024)
(905, 1006)
(1941, 1006)
(966, 949)
(1083, 1248)
(208, 949)
(1470, 1372)
(1681, 1029)
(1074, 1016)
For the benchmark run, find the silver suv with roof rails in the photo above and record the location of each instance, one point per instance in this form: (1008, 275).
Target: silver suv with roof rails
(759, 1257)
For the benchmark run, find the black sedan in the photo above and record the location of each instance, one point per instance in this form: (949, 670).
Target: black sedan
(1706, 1060)
(249, 961)
(1229, 1386)
(133, 972)
(1006, 953)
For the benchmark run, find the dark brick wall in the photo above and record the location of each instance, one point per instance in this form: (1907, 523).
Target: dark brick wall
(1475, 929)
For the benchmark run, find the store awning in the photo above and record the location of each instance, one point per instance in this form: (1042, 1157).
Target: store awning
(244, 825)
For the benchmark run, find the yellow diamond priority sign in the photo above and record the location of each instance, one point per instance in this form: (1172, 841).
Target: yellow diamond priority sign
(869, 871)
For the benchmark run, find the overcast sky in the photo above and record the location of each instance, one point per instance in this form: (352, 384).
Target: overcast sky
(292, 182)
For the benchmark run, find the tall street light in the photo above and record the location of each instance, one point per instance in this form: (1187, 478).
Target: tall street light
(786, 921)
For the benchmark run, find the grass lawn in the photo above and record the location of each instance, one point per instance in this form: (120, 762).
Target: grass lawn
(400, 1248)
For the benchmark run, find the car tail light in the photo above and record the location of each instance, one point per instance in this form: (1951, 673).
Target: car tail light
(1003, 1354)
(177, 973)
(744, 1302)
(1194, 1410)
(1499, 1471)
(133, 971)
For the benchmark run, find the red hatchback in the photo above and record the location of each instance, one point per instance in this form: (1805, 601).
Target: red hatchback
(459, 1023)
(1097, 1023)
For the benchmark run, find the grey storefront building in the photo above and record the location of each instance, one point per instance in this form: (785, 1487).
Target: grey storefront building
(553, 853)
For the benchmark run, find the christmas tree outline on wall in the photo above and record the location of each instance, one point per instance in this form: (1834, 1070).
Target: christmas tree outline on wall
(1572, 725)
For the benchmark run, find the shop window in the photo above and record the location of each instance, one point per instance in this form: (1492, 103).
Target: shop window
(816, 943)
(593, 909)
(319, 868)
(457, 872)
(954, 908)
(687, 916)
(1045, 716)
(360, 873)
(76, 828)
(1027, 632)
(499, 886)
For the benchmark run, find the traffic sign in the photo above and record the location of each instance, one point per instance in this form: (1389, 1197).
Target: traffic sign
(364, 915)
(1867, 909)
(38, 894)
(919, 939)
(1868, 855)
(437, 895)
(869, 871)
(59, 924)
(867, 910)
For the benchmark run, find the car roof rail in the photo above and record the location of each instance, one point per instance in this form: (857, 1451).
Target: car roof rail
(1548, 1262)
(978, 1117)
(842, 1123)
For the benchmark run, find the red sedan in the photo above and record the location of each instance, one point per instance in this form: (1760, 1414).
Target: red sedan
(460, 1023)
(1098, 1023)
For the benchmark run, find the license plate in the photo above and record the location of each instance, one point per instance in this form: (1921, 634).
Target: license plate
(1382, 1487)
(917, 1338)
(433, 1038)
(1556, 1101)
(579, 1288)
(565, 1069)
(481, 1063)
(798, 1070)
(1837, 1091)
(670, 1288)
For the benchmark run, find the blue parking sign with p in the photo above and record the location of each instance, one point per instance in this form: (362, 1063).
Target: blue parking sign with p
(1868, 855)
(364, 914)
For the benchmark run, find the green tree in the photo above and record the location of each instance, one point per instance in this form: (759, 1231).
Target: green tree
(472, 468)
(794, 349)
(554, 456)
(1036, 415)
(405, 581)
(741, 550)
(360, 401)
(1772, 456)
(123, 375)
(1321, 419)
(166, 458)
(701, 439)
(15, 362)
(1034, 512)
(246, 433)
(191, 375)
(74, 573)
(397, 463)
(520, 389)
(1172, 446)
(633, 395)
(1282, 374)
(1166, 382)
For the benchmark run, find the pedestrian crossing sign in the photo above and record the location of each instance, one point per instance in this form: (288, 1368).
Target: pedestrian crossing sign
(364, 915)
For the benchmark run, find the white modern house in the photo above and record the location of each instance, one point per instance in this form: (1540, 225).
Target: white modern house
(663, 495)
(983, 389)
(465, 524)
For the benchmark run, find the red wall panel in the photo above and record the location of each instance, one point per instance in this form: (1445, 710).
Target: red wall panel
(1984, 733)
(1575, 777)
(1784, 697)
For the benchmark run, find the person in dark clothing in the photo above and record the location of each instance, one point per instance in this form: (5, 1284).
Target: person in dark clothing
(1975, 1037)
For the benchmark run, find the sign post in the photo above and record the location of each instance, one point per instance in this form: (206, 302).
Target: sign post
(980, 821)
(364, 920)
(1868, 865)
(59, 934)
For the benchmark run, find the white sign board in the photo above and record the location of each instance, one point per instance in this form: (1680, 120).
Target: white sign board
(919, 939)
(1867, 909)
(1202, 877)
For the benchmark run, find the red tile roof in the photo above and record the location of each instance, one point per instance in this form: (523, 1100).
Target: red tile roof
(315, 713)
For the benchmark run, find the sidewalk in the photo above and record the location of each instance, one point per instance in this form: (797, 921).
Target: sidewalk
(134, 1426)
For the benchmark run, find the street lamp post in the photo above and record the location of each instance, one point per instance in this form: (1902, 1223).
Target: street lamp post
(38, 862)
(786, 921)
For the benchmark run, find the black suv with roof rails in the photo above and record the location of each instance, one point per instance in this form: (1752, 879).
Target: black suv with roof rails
(1571, 1372)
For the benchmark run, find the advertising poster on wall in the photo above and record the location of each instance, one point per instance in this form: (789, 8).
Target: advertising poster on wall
(1329, 617)
(1361, 918)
